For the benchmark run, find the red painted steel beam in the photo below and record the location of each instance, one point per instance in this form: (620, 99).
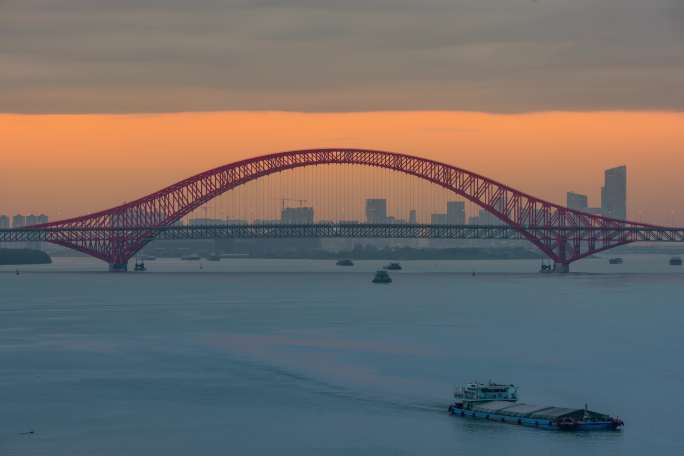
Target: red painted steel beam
(512, 206)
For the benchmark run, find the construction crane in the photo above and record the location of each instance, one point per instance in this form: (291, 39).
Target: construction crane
(300, 201)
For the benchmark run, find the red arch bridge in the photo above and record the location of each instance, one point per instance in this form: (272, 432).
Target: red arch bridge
(564, 235)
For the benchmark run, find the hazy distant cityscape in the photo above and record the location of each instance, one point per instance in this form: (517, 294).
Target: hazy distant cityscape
(613, 204)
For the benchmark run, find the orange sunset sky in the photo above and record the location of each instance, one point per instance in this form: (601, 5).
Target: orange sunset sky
(66, 165)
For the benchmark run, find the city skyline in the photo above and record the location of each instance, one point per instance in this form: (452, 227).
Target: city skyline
(376, 210)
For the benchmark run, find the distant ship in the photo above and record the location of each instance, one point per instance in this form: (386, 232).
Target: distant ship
(345, 262)
(499, 403)
(675, 261)
(393, 267)
(191, 257)
(382, 277)
(213, 256)
(617, 260)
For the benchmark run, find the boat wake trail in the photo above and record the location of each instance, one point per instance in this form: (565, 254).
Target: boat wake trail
(296, 381)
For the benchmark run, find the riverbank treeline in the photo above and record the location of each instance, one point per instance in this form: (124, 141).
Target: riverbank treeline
(23, 256)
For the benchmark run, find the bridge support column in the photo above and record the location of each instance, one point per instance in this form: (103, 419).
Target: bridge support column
(118, 267)
(562, 268)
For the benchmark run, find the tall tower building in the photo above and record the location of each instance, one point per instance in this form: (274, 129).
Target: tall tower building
(18, 221)
(4, 222)
(614, 193)
(297, 215)
(577, 201)
(456, 212)
(413, 218)
(376, 211)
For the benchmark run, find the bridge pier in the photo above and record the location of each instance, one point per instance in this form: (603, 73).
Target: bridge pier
(118, 267)
(562, 268)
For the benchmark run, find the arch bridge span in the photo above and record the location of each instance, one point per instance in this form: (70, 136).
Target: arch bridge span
(563, 234)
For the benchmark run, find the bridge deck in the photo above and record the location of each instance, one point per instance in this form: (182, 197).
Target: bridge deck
(367, 231)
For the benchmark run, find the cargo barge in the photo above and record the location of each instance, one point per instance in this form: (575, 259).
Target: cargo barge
(499, 403)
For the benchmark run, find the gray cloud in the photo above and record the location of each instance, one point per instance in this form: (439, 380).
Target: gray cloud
(329, 55)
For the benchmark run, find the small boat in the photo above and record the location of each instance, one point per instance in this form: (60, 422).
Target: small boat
(345, 262)
(499, 403)
(393, 267)
(382, 277)
(139, 266)
(17, 271)
(616, 260)
(675, 261)
(191, 257)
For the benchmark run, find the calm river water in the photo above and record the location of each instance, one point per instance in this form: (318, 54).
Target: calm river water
(263, 357)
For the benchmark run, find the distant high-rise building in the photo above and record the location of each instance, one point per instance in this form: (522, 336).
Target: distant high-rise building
(484, 218)
(456, 213)
(614, 193)
(297, 215)
(18, 221)
(36, 219)
(413, 218)
(376, 210)
(4, 222)
(438, 219)
(577, 201)
(31, 220)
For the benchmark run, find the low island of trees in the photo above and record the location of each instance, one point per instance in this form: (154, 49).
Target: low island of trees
(23, 256)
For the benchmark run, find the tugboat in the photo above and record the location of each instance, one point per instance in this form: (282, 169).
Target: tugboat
(499, 403)
(345, 262)
(675, 261)
(139, 266)
(393, 267)
(616, 260)
(382, 277)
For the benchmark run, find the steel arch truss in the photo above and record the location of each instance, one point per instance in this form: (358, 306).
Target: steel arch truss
(565, 235)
